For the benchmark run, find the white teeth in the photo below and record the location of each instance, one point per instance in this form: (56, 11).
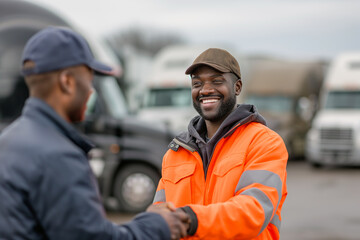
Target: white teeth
(209, 100)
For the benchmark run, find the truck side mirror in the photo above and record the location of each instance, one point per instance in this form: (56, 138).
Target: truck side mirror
(305, 108)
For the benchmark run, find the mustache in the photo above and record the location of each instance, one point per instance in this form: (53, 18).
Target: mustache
(208, 96)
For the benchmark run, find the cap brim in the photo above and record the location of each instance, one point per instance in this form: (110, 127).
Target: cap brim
(213, 65)
(101, 69)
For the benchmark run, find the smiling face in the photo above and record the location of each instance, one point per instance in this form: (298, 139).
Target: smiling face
(214, 93)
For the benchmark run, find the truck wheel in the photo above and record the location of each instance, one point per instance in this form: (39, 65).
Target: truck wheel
(135, 187)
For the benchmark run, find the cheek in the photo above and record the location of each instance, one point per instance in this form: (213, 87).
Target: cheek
(194, 94)
(86, 89)
(227, 90)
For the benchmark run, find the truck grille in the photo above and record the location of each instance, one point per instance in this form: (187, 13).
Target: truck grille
(336, 134)
(337, 143)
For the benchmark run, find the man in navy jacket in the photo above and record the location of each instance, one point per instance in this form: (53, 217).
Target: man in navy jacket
(47, 189)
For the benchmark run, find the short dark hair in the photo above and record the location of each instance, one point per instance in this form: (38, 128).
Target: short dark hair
(234, 78)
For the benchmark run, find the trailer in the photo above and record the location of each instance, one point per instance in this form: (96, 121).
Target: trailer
(286, 94)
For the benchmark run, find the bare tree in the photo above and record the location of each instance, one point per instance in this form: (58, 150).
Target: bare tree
(143, 39)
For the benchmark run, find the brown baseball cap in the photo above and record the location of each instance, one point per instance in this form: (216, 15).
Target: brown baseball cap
(218, 59)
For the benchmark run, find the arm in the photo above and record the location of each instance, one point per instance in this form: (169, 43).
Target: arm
(67, 205)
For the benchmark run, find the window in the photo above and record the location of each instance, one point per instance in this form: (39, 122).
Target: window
(278, 104)
(112, 96)
(169, 97)
(343, 99)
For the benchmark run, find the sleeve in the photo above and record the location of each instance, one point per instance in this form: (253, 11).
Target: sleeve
(160, 193)
(68, 206)
(258, 197)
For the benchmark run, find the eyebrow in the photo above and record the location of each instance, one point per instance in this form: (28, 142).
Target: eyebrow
(213, 76)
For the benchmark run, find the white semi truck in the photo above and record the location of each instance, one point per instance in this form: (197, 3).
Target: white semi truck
(334, 138)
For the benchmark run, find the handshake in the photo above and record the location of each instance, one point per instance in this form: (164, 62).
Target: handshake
(177, 219)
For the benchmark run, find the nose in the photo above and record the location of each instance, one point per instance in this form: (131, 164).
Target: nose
(206, 89)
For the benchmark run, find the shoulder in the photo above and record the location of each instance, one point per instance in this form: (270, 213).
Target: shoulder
(28, 139)
(264, 138)
(259, 128)
(255, 134)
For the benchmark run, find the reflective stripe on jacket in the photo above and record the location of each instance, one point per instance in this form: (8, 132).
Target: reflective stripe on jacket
(244, 190)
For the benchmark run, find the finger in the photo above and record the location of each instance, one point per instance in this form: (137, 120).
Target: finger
(163, 206)
(183, 229)
(149, 208)
(183, 216)
(171, 206)
(175, 235)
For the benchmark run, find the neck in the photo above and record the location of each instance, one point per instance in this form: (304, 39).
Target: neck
(58, 109)
(211, 128)
(54, 101)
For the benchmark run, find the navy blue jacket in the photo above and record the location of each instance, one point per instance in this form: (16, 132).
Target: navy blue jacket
(47, 189)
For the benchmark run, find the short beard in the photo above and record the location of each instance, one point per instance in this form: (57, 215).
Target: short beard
(225, 109)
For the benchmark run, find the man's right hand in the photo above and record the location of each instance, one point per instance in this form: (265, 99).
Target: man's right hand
(178, 221)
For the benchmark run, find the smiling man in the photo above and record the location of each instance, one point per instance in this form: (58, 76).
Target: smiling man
(228, 171)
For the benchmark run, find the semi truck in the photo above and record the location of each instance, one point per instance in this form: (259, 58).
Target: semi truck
(285, 93)
(334, 138)
(128, 153)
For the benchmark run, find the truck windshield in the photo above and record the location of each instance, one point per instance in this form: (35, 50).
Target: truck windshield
(343, 99)
(168, 97)
(278, 104)
(113, 97)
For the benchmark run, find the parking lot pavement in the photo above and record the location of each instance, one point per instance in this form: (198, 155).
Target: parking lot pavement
(322, 204)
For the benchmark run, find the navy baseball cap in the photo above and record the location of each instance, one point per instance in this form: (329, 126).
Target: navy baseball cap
(55, 48)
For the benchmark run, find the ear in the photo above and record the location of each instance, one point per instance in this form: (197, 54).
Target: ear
(66, 82)
(238, 87)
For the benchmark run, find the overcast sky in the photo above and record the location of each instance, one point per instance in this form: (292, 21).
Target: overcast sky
(286, 28)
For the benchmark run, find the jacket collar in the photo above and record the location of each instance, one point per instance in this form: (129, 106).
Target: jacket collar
(40, 111)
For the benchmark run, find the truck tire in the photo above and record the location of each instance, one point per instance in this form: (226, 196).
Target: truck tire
(135, 187)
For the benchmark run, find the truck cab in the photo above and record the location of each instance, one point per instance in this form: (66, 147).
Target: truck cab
(334, 138)
(128, 153)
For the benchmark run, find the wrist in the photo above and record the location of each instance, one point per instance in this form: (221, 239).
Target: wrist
(193, 220)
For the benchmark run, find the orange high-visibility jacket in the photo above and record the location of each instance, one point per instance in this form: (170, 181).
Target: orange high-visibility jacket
(244, 190)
